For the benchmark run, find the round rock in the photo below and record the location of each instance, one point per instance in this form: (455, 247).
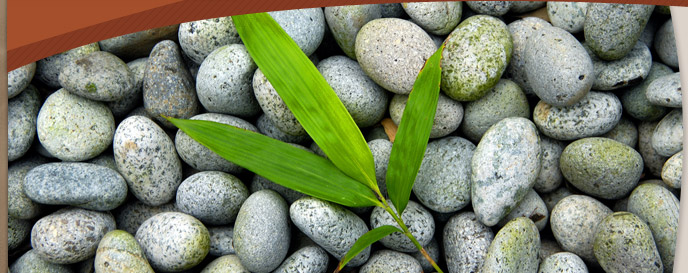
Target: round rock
(448, 114)
(119, 251)
(665, 91)
(18, 204)
(345, 22)
(466, 241)
(653, 161)
(550, 177)
(438, 18)
(634, 99)
(387, 261)
(132, 214)
(212, 197)
(261, 183)
(274, 107)
(672, 169)
(309, 259)
(665, 44)
(17, 231)
(514, 249)
(612, 30)
(667, 138)
(48, 69)
(22, 112)
(569, 16)
(418, 220)
(553, 197)
(198, 38)
(525, 6)
(381, 150)
(30, 262)
(227, 263)
(531, 207)
(100, 76)
(627, 71)
(138, 44)
(305, 26)
(433, 250)
(267, 127)
(19, 78)
(563, 262)
(521, 31)
(122, 107)
(221, 240)
(493, 8)
(574, 220)
(624, 241)
(625, 132)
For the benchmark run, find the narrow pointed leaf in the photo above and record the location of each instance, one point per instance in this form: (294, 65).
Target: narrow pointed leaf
(365, 241)
(279, 162)
(413, 133)
(303, 89)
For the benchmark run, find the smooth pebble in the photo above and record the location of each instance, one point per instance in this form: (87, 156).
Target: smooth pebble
(667, 138)
(119, 251)
(20, 78)
(438, 18)
(448, 114)
(613, 29)
(665, 91)
(417, 219)
(672, 170)
(199, 38)
(624, 241)
(345, 22)
(574, 221)
(305, 26)
(629, 70)
(515, 248)
(211, 196)
(569, 16)
(665, 44)
(22, 114)
(100, 76)
(388, 261)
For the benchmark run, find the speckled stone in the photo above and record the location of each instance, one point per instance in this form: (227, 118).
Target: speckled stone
(626, 71)
(504, 167)
(558, 68)
(418, 220)
(17, 231)
(506, 99)
(634, 99)
(18, 204)
(123, 106)
(48, 69)
(390, 61)
(105, 159)
(119, 251)
(305, 26)
(525, 6)
(83, 185)
(466, 241)
(20, 78)
(531, 207)
(443, 183)
(168, 88)
(267, 127)
(200, 157)
(493, 8)
(601, 167)
(448, 114)
(146, 158)
(550, 177)
(672, 169)
(198, 38)
(274, 107)
(262, 232)
(433, 250)
(563, 262)
(515, 248)
(553, 197)
(362, 97)
(569, 16)
(521, 31)
(261, 183)
(486, 42)
(667, 138)
(388, 261)
(70, 235)
(548, 248)
(574, 223)
(594, 115)
(624, 241)
(381, 150)
(665, 91)
(212, 197)
(345, 22)
(665, 44)
(22, 112)
(392, 10)
(438, 18)
(659, 209)
(73, 128)
(310, 214)
(309, 259)
(376, 132)
(173, 241)
(138, 44)
(227, 263)
(653, 161)
(30, 262)
(648, 35)
(100, 76)
(625, 132)
(132, 214)
(612, 30)
(224, 82)
(221, 240)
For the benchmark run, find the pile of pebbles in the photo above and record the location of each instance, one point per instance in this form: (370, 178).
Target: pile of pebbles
(556, 145)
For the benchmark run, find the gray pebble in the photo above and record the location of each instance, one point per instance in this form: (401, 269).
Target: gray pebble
(525, 6)
(531, 207)
(497, 184)
(665, 44)
(648, 35)
(625, 132)
(548, 248)
(30, 262)
(665, 91)
(17, 231)
(146, 158)
(227, 263)
(667, 138)
(552, 198)
(438, 18)
(70, 235)
(493, 8)
(132, 214)
(198, 38)
(122, 107)
(83, 185)
(138, 44)
(629, 70)
(574, 220)
(305, 26)
(485, 41)
(388, 261)
(550, 177)
(168, 88)
(448, 114)
(274, 107)
(563, 262)
(634, 99)
(267, 127)
(73, 128)
(18, 204)
(381, 150)
(569, 16)
(224, 82)
(521, 31)
(612, 30)
(221, 241)
(105, 159)
(20, 78)
(515, 248)
(48, 69)
(100, 76)
(22, 113)
(418, 220)
(119, 251)
(466, 241)
(309, 259)
(506, 99)
(558, 68)
(200, 157)
(392, 10)
(362, 97)
(212, 197)
(443, 183)
(672, 169)
(594, 115)
(262, 232)
(653, 160)
(624, 241)
(390, 61)
(310, 214)
(345, 22)
(433, 250)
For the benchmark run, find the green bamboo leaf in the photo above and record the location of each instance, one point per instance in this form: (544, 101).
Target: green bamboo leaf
(307, 95)
(279, 162)
(365, 241)
(414, 130)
